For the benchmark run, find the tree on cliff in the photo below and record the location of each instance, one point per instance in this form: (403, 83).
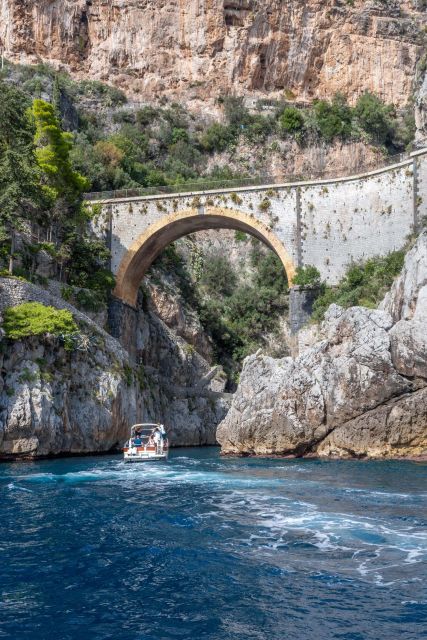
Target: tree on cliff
(21, 197)
(62, 184)
(77, 254)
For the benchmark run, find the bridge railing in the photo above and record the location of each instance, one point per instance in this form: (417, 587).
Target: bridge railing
(201, 185)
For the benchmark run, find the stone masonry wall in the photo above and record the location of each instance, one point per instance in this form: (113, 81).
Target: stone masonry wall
(328, 224)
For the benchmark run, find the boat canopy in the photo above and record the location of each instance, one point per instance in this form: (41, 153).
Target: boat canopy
(148, 427)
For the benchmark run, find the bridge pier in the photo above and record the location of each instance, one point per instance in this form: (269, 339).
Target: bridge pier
(301, 301)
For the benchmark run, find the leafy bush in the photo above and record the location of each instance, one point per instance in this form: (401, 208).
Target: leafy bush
(240, 236)
(364, 284)
(259, 128)
(333, 118)
(146, 116)
(218, 276)
(291, 121)
(217, 137)
(33, 318)
(308, 276)
(89, 300)
(235, 111)
(375, 117)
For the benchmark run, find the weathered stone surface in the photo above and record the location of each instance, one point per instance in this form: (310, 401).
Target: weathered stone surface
(53, 401)
(395, 429)
(203, 49)
(409, 341)
(359, 391)
(289, 405)
(57, 402)
(178, 316)
(401, 301)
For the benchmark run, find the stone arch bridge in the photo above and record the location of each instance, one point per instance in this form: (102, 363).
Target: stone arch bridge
(326, 223)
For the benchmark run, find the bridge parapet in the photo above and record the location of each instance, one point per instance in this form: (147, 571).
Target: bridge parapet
(210, 185)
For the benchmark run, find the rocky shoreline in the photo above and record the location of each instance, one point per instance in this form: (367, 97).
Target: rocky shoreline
(359, 392)
(56, 402)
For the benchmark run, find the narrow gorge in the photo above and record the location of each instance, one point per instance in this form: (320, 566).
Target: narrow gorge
(134, 104)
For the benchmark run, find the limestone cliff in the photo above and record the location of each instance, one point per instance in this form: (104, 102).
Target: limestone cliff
(56, 401)
(203, 48)
(360, 391)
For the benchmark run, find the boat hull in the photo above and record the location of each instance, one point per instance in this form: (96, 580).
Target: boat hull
(137, 458)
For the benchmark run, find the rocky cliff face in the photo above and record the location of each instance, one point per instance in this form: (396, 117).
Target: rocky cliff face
(54, 401)
(361, 391)
(203, 48)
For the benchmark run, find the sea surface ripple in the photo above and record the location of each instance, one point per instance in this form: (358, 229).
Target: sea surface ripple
(208, 548)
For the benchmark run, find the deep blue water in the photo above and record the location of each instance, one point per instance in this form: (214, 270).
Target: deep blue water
(206, 548)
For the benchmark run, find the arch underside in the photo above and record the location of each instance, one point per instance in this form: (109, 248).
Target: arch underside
(159, 235)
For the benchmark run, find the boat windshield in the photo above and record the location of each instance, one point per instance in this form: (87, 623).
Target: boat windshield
(142, 435)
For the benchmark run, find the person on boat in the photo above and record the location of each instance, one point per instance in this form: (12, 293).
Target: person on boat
(163, 435)
(157, 436)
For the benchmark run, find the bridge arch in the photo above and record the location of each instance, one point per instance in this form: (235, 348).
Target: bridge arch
(145, 249)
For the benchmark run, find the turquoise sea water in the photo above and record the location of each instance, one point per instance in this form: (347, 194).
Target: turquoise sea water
(209, 548)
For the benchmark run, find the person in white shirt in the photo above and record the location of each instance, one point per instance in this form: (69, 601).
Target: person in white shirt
(157, 437)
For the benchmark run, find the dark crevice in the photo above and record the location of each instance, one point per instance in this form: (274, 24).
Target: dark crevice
(83, 32)
(236, 12)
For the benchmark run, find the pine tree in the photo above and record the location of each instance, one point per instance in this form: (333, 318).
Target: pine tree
(53, 155)
(21, 197)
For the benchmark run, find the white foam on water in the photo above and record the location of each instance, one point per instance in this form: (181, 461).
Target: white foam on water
(14, 487)
(278, 524)
(413, 555)
(271, 519)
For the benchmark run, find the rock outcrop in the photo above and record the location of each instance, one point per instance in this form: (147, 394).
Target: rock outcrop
(54, 401)
(199, 50)
(359, 391)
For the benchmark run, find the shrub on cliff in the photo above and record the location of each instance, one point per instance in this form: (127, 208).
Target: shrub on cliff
(33, 319)
(291, 121)
(333, 119)
(307, 276)
(375, 117)
(363, 285)
(217, 137)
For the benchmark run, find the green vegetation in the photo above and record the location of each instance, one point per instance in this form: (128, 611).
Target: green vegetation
(166, 145)
(374, 117)
(44, 170)
(239, 316)
(41, 198)
(21, 195)
(333, 119)
(364, 284)
(53, 147)
(307, 277)
(33, 319)
(292, 120)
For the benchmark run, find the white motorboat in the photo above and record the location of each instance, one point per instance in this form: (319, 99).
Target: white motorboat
(147, 442)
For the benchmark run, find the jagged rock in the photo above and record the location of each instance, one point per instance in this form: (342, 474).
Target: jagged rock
(58, 402)
(409, 341)
(55, 401)
(395, 429)
(170, 307)
(201, 50)
(402, 299)
(358, 391)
